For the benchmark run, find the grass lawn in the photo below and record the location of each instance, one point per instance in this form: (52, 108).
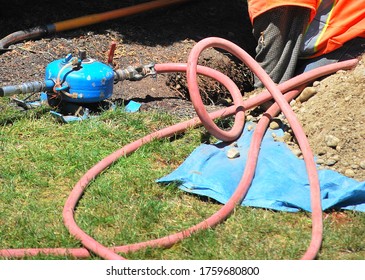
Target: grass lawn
(41, 160)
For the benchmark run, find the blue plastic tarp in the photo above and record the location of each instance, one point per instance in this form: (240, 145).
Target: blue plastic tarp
(280, 181)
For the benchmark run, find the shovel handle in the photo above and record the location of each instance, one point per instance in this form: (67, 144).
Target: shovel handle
(74, 23)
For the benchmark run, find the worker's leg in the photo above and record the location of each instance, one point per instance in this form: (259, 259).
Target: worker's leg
(279, 33)
(351, 49)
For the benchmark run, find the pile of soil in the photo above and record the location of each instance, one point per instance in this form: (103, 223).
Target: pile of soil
(333, 120)
(335, 113)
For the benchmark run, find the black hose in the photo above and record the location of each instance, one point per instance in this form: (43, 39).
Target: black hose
(15, 37)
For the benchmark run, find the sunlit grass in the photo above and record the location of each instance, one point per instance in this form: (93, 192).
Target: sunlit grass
(41, 160)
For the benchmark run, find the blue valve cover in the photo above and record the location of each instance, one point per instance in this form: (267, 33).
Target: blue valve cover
(91, 82)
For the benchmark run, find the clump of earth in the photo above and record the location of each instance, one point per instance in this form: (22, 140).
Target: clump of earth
(333, 118)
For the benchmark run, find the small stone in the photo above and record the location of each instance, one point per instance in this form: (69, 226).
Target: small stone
(316, 83)
(348, 98)
(331, 141)
(287, 137)
(233, 153)
(320, 161)
(279, 139)
(307, 93)
(349, 173)
(275, 124)
(362, 164)
(249, 127)
(355, 166)
(249, 118)
(335, 157)
(330, 162)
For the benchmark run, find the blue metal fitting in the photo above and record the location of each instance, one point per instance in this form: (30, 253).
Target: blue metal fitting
(92, 81)
(67, 58)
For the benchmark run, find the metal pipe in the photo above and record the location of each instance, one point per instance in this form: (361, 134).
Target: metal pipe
(28, 87)
(40, 31)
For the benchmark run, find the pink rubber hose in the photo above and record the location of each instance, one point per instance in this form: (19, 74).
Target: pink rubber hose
(317, 226)
(275, 91)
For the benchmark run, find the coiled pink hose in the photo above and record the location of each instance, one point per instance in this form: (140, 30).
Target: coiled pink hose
(290, 88)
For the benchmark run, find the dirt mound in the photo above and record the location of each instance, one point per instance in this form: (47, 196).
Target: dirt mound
(333, 120)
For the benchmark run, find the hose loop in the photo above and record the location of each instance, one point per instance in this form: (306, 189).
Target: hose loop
(191, 75)
(290, 90)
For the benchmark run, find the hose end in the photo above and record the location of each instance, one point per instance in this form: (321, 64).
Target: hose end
(22, 35)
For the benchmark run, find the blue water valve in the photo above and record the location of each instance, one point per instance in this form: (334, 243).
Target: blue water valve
(90, 82)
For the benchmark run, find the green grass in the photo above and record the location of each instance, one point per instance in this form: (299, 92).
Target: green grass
(41, 160)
